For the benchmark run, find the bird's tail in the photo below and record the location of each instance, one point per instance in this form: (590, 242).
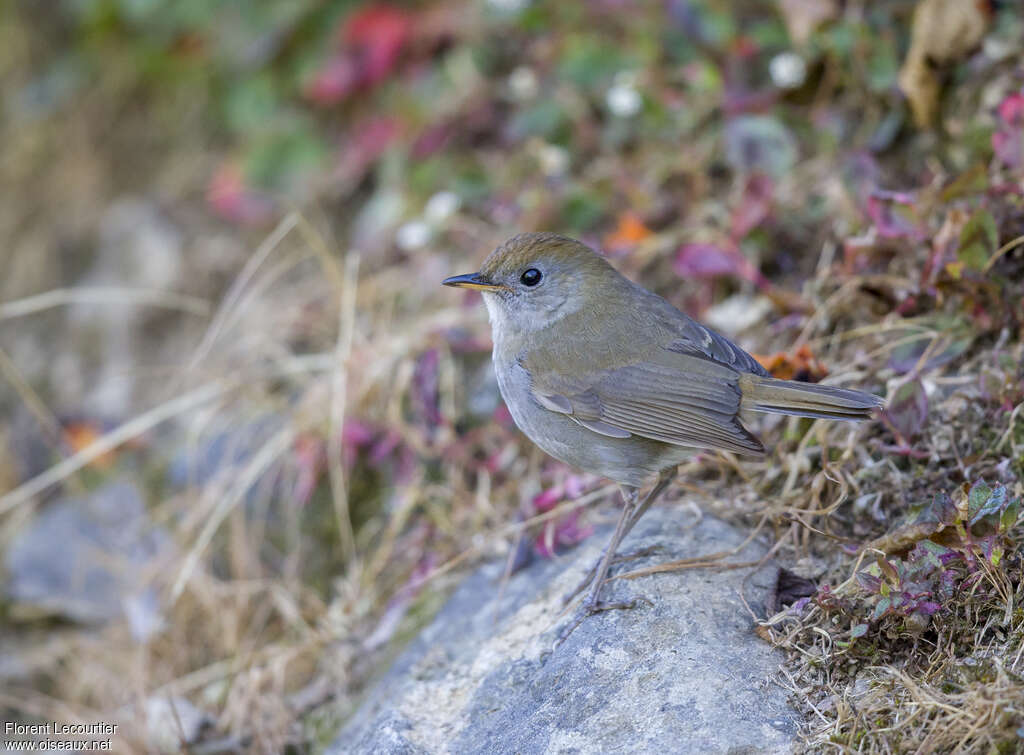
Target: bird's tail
(766, 394)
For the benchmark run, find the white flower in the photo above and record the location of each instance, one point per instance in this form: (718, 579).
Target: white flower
(508, 6)
(522, 82)
(440, 207)
(554, 160)
(622, 98)
(413, 235)
(788, 70)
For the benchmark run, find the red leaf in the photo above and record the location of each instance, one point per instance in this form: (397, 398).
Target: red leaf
(372, 39)
(378, 32)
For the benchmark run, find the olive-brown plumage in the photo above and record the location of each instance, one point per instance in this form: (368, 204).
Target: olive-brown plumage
(611, 378)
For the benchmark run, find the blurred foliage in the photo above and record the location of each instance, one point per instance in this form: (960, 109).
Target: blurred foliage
(755, 161)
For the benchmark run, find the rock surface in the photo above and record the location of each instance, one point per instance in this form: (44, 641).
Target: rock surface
(84, 558)
(685, 674)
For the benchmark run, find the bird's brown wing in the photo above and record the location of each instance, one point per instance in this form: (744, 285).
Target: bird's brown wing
(671, 397)
(690, 337)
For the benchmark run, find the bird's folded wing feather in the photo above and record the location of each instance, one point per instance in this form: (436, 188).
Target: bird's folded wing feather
(690, 337)
(672, 397)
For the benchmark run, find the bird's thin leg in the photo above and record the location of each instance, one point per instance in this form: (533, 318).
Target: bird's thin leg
(608, 554)
(630, 505)
(663, 483)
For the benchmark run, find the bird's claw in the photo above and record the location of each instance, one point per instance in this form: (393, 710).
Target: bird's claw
(592, 571)
(589, 608)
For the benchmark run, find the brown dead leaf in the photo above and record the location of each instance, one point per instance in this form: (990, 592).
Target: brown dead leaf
(803, 17)
(798, 365)
(942, 32)
(904, 537)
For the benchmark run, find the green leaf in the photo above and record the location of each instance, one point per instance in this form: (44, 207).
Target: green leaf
(978, 240)
(983, 500)
(251, 105)
(972, 181)
(858, 630)
(545, 119)
(996, 555)
(1009, 515)
(590, 62)
(930, 553)
(583, 210)
(882, 608)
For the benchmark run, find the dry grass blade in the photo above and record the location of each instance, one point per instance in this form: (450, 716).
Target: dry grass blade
(339, 385)
(61, 297)
(111, 440)
(230, 301)
(253, 471)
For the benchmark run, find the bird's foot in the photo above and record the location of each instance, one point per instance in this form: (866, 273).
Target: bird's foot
(600, 606)
(588, 578)
(591, 607)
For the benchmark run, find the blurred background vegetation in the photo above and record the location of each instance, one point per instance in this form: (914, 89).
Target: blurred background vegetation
(248, 442)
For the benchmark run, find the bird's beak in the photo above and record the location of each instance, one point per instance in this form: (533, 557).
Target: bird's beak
(475, 281)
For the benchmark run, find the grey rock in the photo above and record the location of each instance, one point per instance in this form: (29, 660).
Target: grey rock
(82, 558)
(173, 723)
(685, 674)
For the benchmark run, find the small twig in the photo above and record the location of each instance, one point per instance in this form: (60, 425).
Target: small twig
(1008, 246)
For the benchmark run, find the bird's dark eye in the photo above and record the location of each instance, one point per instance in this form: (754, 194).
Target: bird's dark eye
(531, 277)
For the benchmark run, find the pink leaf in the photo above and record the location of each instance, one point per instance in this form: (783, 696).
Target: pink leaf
(355, 435)
(425, 387)
(1011, 110)
(385, 446)
(1008, 139)
(335, 80)
(546, 499)
(754, 207)
(705, 261)
(229, 197)
(361, 149)
(560, 534)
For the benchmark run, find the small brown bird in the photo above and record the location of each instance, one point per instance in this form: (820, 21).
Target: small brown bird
(611, 378)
